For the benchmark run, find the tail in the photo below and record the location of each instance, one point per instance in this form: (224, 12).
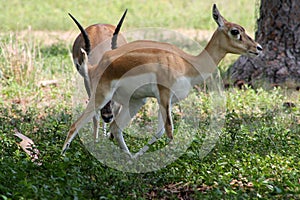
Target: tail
(117, 30)
(86, 38)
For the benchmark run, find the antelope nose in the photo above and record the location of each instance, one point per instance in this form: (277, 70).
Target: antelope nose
(259, 48)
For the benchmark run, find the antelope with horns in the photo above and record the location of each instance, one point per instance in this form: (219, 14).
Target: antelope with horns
(96, 39)
(142, 69)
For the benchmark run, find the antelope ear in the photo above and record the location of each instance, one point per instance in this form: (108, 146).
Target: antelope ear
(84, 55)
(218, 17)
(84, 64)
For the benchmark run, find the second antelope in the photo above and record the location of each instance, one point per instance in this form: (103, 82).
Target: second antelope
(96, 39)
(142, 69)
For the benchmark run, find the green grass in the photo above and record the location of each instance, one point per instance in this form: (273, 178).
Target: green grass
(52, 15)
(256, 156)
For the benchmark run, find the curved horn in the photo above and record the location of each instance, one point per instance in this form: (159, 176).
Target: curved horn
(86, 38)
(117, 30)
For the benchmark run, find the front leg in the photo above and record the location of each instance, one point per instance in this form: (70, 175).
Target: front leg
(165, 107)
(160, 132)
(165, 122)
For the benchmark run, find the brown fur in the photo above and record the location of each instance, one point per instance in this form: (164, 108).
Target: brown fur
(168, 63)
(99, 38)
(97, 33)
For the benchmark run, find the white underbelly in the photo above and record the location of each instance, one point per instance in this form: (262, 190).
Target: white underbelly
(140, 86)
(181, 88)
(145, 85)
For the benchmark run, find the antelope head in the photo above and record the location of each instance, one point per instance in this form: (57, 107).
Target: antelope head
(232, 38)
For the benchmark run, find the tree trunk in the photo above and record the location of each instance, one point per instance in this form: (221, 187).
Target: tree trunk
(279, 34)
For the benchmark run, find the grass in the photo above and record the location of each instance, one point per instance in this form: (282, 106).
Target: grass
(52, 15)
(256, 156)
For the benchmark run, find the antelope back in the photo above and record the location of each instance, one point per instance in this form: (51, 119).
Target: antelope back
(98, 34)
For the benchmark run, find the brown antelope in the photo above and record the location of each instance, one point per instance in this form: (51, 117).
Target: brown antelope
(96, 38)
(141, 69)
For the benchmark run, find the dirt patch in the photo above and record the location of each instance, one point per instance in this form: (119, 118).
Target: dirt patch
(53, 37)
(48, 37)
(198, 35)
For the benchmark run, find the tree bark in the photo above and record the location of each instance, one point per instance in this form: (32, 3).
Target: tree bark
(279, 34)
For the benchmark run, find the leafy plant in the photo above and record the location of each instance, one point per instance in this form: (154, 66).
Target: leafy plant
(256, 156)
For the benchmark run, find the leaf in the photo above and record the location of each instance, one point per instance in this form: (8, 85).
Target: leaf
(270, 187)
(278, 190)
(28, 146)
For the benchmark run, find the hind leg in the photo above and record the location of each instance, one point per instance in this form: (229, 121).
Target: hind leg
(86, 116)
(123, 119)
(96, 120)
(106, 111)
(77, 125)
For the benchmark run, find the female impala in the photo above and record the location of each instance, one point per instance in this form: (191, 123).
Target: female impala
(144, 69)
(96, 38)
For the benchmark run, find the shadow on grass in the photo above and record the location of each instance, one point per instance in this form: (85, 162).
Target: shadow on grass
(256, 156)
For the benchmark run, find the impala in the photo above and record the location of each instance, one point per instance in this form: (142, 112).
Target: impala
(96, 38)
(141, 69)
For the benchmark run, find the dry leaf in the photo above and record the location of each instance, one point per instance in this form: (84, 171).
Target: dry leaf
(28, 146)
(48, 83)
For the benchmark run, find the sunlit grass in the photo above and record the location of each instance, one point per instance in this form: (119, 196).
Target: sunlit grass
(52, 15)
(25, 63)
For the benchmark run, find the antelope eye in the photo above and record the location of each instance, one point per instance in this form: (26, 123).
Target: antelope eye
(234, 32)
